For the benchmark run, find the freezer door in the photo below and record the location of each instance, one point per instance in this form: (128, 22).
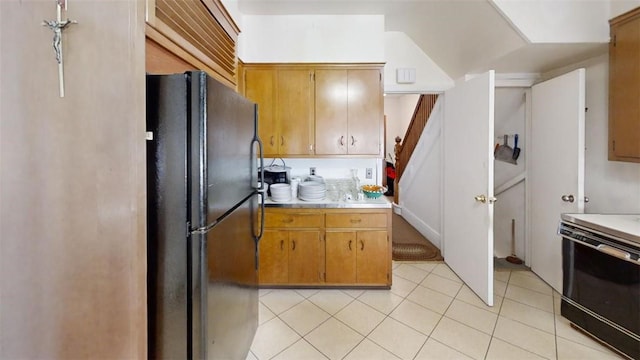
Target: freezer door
(223, 127)
(232, 280)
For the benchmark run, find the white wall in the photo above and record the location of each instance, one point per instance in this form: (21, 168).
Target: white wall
(312, 38)
(558, 21)
(420, 186)
(233, 9)
(334, 168)
(402, 52)
(398, 110)
(509, 119)
(621, 6)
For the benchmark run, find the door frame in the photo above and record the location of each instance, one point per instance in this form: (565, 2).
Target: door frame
(528, 116)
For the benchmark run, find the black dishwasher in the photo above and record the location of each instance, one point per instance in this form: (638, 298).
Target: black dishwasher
(601, 278)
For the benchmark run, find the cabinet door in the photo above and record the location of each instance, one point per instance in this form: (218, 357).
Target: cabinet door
(624, 91)
(340, 247)
(331, 112)
(372, 257)
(294, 111)
(365, 112)
(304, 257)
(274, 257)
(260, 87)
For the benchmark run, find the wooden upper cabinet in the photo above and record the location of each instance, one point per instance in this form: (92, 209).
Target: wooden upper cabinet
(260, 87)
(624, 87)
(366, 112)
(294, 111)
(331, 111)
(285, 108)
(317, 109)
(349, 111)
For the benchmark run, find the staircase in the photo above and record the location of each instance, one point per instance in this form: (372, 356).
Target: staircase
(404, 149)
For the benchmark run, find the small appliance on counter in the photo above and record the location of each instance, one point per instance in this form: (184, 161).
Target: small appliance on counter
(276, 174)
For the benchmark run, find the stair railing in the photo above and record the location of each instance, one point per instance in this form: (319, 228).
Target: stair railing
(404, 150)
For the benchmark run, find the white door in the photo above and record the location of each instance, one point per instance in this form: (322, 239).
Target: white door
(555, 168)
(467, 174)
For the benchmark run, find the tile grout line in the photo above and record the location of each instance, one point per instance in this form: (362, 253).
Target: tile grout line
(414, 287)
(436, 325)
(302, 337)
(405, 298)
(498, 317)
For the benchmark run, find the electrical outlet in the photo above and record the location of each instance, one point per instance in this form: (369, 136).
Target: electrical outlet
(312, 170)
(369, 174)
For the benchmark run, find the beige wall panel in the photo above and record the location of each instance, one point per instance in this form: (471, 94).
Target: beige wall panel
(72, 183)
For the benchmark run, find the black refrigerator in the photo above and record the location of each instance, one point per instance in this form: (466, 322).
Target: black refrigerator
(205, 218)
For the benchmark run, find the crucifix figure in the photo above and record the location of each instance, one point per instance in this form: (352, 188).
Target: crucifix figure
(57, 26)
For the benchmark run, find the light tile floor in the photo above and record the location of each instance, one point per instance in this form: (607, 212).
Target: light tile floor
(429, 313)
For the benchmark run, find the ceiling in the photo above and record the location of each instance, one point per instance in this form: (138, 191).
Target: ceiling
(461, 36)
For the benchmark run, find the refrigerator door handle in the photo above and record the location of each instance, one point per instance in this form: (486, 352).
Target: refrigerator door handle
(260, 185)
(256, 140)
(259, 236)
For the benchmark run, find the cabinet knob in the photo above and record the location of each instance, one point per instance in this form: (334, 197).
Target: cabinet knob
(341, 140)
(567, 198)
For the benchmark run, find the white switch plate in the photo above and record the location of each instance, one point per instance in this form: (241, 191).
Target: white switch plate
(369, 173)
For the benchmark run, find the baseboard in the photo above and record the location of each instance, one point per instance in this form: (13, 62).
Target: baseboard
(422, 227)
(397, 209)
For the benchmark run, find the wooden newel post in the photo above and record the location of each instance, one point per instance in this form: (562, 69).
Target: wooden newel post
(396, 150)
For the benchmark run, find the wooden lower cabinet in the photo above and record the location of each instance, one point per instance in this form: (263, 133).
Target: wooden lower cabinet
(290, 256)
(273, 263)
(326, 248)
(357, 257)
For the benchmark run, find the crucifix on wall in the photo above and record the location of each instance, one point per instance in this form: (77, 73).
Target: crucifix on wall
(58, 25)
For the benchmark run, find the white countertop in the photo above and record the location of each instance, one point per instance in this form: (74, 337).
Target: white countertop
(379, 203)
(626, 226)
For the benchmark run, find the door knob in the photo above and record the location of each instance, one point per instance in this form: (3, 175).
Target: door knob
(568, 198)
(483, 199)
(586, 199)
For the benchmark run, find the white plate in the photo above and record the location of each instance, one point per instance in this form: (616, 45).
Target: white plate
(281, 199)
(313, 193)
(279, 187)
(312, 200)
(312, 185)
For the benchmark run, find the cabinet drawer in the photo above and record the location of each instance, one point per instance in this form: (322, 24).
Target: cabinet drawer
(355, 220)
(294, 220)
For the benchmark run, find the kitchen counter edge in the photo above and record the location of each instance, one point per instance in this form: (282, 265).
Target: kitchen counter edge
(381, 203)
